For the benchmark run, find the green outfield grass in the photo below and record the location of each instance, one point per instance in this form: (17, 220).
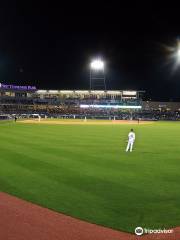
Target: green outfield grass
(84, 171)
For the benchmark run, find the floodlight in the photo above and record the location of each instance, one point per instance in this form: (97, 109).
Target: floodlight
(178, 55)
(174, 54)
(97, 64)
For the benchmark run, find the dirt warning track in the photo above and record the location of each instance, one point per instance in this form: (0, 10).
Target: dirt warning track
(86, 122)
(21, 220)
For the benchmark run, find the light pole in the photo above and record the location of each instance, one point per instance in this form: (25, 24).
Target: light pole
(97, 75)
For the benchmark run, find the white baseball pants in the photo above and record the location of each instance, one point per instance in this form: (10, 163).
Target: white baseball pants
(129, 146)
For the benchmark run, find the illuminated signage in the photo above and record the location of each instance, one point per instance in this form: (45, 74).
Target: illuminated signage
(15, 87)
(129, 93)
(110, 106)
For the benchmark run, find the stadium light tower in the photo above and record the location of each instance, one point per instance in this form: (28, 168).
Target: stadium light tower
(97, 75)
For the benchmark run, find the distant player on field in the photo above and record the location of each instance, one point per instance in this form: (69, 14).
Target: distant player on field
(131, 139)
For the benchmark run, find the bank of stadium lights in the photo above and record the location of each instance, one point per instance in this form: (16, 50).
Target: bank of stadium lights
(174, 55)
(97, 64)
(178, 55)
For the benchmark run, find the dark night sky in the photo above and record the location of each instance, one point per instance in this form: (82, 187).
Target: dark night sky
(50, 46)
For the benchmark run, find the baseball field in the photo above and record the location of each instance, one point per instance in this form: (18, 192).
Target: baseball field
(82, 170)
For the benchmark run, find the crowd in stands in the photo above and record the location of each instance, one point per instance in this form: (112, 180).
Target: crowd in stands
(89, 101)
(70, 108)
(77, 112)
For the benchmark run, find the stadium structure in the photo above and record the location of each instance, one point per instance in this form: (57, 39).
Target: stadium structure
(28, 101)
(88, 162)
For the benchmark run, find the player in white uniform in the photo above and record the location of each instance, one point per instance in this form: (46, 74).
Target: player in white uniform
(131, 139)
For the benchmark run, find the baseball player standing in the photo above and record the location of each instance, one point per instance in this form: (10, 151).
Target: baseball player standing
(131, 139)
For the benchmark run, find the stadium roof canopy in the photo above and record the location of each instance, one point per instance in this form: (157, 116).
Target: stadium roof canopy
(90, 92)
